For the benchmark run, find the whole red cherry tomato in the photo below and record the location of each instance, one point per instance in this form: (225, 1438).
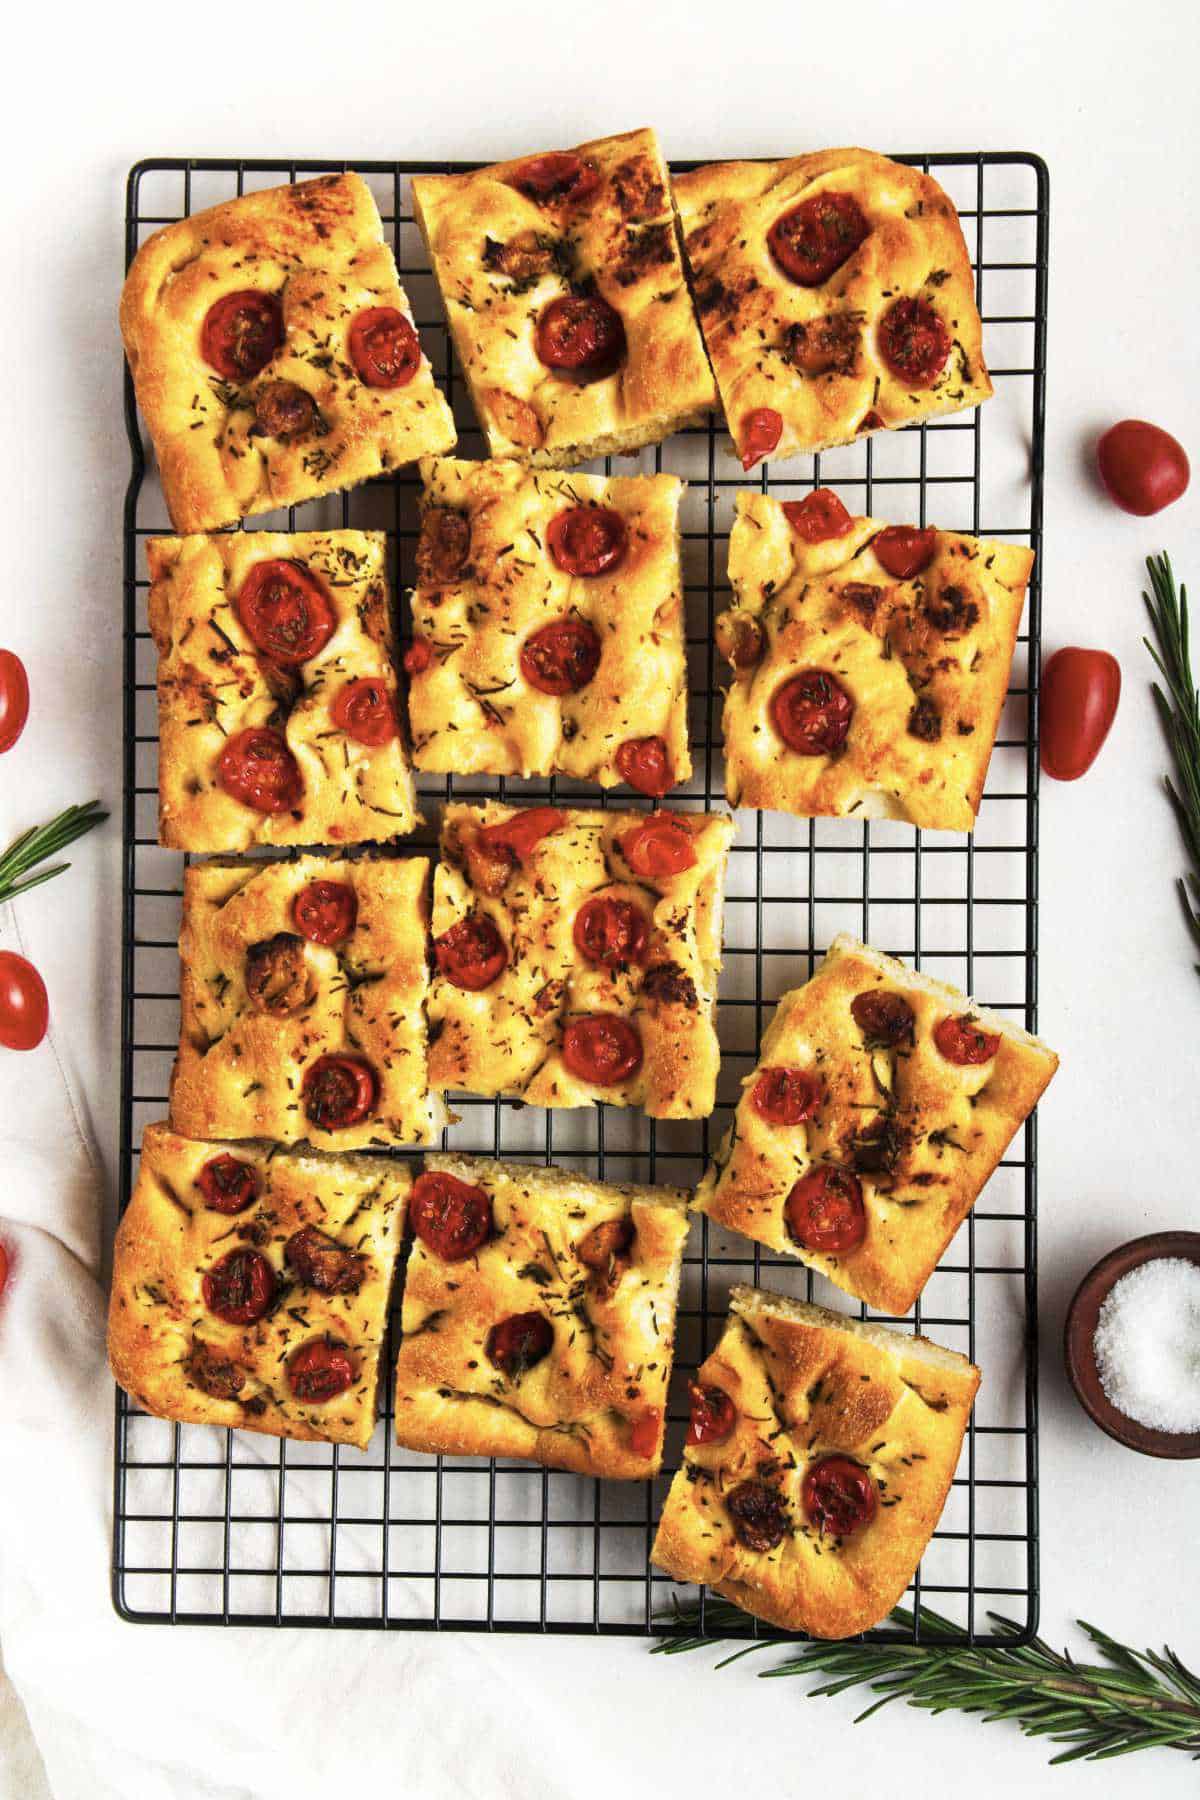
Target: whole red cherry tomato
(1143, 467)
(14, 698)
(24, 1008)
(1080, 691)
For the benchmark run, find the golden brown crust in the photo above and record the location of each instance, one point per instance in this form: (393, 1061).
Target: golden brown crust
(925, 663)
(614, 1328)
(507, 1039)
(212, 684)
(923, 1134)
(749, 309)
(809, 1384)
(622, 242)
(319, 247)
(240, 1069)
(472, 710)
(178, 1360)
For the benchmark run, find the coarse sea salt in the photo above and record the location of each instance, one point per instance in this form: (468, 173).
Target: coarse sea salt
(1147, 1344)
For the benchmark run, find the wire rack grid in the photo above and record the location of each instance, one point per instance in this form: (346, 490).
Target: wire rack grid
(219, 1527)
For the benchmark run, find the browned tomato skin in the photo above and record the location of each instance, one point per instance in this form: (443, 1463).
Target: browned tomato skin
(559, 176)
(227, 1184)
(824, 1211)
(963, 1040)
(601, 1049)
(818, 517)
(659, 849)
(241, 333)
(838, 1496)
(762, 429)
(904, 550)
(472, 954)
(443, 545)
(587, 540)
(760, 1518)
(339, 1092)
(276, 975)
(609, 932)
(257, 768)
(812, 713)
(884, 1018)
(383, 347)
(321, 1370)
(324, 1264)
(284, 411)
(606, 1244)
(1143, 468)
(239, 1288)
(713, 1415)
(452, 1218)
(561, 658)
(325, 912)
(811, 241)
(518, 1343)
(787, 1096)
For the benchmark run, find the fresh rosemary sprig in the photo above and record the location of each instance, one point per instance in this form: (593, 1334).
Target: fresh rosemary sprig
(39, 842)
(1179, 710)
(1135, 1700)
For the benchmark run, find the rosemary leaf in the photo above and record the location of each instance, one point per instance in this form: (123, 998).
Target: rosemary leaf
(1179, 712)
(41, 841)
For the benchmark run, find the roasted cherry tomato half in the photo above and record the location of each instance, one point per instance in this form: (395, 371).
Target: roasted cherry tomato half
(227, 1184)
(1142, 467)
(762, 429)
(325, 912)
(870, 421)
(601, 1049)
(582, 334)
(14, 698)
(561, 658)
(660, 848)
(339, 1091)
(812, 713)
(606, 1245)
(283, 410)
(740, 639)
(787, 1096)
(452, 1217)
(241, 333)
(363, 710)
(713, 1414)
(321, 1370)
(239, 1288)
(24, 1008)
(587, 540)
(418, 657)
(609, 932)
(963, 1040)
(383, 347)
(904, 551)
(814, 239)
(818, 516)
(838, 1496)
(524, 831)
(644, 1432)
(559, 175)
(285, 612)
(472, 954)
(760, 1518)
(645, 764)
(914, 342)
(884, 1019)
(1080, 692)
(825, 1210)
(257, 768)
(517, 1343)
(322, 1263)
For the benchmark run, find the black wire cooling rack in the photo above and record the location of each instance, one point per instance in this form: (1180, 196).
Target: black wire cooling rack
(217, 1527)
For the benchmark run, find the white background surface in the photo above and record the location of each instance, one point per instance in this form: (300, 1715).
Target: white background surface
(1106, 92)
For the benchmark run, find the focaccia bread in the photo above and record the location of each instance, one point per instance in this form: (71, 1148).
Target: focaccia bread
(250, 1286)
(549, 626)
(836, 297)
(819, 1456)
(539, 1317)
(565, 292)
(577, 956)
(881, 1104)
(274, 355)
(303, 989)
(856, 690)
(276, 691)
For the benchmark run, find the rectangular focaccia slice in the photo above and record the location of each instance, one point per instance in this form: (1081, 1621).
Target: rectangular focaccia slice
(276, 691)
(577, 956)
(855, 689)
(274, 355)
(572, 256)
(539, 1317)
(250, 1286)
(836, 297)
(549, 628)
(881, 1104)
(827, 1449)
(303, 991)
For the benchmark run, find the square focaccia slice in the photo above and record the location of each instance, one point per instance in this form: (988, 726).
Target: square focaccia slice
(276, 691)
(818, 1460)
(549, 630)
(274, 355)
(250, 1286)
(870, 662)
(881, 1104)
(836, 297)
(577, 956)
(302, 1003)
(539, 1317)
(564, 288)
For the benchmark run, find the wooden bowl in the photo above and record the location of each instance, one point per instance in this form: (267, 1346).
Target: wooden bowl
(1082, 1316)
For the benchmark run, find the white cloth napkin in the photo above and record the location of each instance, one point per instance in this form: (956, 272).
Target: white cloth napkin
(127, 1712)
